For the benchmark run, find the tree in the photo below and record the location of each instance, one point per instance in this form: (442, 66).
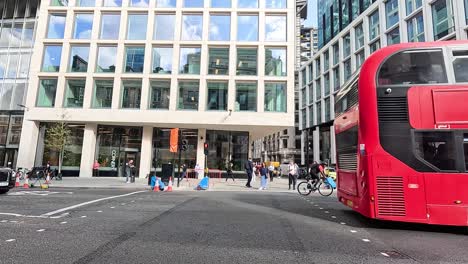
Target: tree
(58, 136)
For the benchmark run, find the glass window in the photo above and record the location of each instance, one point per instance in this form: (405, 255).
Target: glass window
(190, 60)
(162, 60)
(327, 109)
(319, 112)
(52, 56)
(159, 94)
(218, 61)
(112, 3)
(106, 59)
(437, 148)
(347, 69)
(336, 79)
(311, 94)
(326, 85)
(275, 62)
(166, 3)
(275, 28)
(74, 93)
(335, 17)
(304, 78)
(15, 37)
(336, 53)
(110, 26)
(317, 67)
(412, 5)
(57, 3)
(134, 59)
(311, 116)
(193, 3)
(410, 67)
(275, 97)
(304, 118)
(79, 59)
(217, 96)
(355, 9)
(326, 60)
(3, 60)
(24, 65)
(131, 94)
(391, 8)
(220, 28)
(374, 25)
(247, 28)
(374, 46)
(46, 94)
(83, 26)
(56, 27)
(276, 4)
(247, 61)
(139, 3)
(247, 3)
(393, 37)
(442, 18)
(416, 28)
(360, 57)
(188, 95)
(28, 35)
(246, 97)
(346, 46)
(13, 65)
(318, 89)
(164, 27)
(137, 26)
(345, 9)
(359, 36)
(221, 3)
(85, 2)
(460, 66)
(102, 96)
(192, 27)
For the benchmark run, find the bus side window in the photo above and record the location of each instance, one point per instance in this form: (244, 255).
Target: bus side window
(460, 67)
(437, 148)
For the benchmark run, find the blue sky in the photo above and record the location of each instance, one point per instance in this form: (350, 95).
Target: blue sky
(312, 13)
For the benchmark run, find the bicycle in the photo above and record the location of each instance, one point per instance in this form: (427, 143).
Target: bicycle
(322, 185)
(21, 173)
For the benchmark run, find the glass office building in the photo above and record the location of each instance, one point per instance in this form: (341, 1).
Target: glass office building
(349, 31)
(124, 73)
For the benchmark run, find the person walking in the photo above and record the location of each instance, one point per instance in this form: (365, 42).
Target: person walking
(264, 174)
(96, 166)
(249, 170)
(271, 169)
(128, 170)
(184, 171)
(292, 170)
(229, 172)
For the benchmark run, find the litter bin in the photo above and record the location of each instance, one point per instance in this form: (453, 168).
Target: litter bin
(166, 172)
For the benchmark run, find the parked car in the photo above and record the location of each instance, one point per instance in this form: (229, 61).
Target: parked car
(7, 180)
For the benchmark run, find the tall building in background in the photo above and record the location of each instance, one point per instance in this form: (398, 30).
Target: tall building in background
(349, 31)
(309, 43)
(17, 27)
(123, 73)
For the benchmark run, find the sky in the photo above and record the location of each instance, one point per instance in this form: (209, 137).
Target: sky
(312, 13)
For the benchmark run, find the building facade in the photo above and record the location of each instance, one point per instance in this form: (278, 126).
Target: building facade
(17, 27)
(349, 31)
(309, 43)
(122, 73)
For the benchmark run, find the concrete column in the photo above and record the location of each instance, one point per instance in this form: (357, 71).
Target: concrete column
(316, 143)
(88, 151)
(200, 151)
(146, 151)
(28, 144)
(332, 145)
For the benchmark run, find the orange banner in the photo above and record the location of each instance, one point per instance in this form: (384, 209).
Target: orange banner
(174, 141)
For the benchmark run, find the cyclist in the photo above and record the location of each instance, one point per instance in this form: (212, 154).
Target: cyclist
(314, 171)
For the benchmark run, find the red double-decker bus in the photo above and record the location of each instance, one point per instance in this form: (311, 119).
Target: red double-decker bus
(402, 135)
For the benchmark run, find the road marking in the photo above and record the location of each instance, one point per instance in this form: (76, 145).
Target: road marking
(366, 240)
(327, 212)
(123, 204)
(59, 216)
(10, 214)
(316, 205)
(385, 254)
(89, 202)
(10, 240)
(62, 223)
(321, 208)
(334, 217)
(353, 231)
(39, 193)
(343, 223)
(41, 230)
(3, 221)
(99, 211)
(13, 221)
(83, 216)
(112, 207)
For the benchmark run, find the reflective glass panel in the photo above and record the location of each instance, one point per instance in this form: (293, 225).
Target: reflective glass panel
(131, 94)
(24, 65)
(247, 28)
(102, 96)
(74, 93)
(193, 3)
(56, 27)
(110, 26)
(247, 60)
(79, 59)
(106, 59)
(139, 3)
(160, 94)
(58, 3)
(164, 27)
(247, 3)
(28, 35)
(162, 60)
(391, 8)
(246, 97)
(221, 3)
(52, 56)
(46, 94)
(275, 4)
(136, 29)
(13, 65)
(84, 2)
(442, 18)
(190, 60)
(112, 3)
(220, 28)
(275, 28)
(188, 95)
(393, 37)
(218, 61)
(192, 27)
(275, 62)
(134, 59)
(217, 96)
(83, 26)
(275, 97)
(166, 3)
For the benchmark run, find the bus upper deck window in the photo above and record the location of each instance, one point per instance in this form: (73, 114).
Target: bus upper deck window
(413, 67)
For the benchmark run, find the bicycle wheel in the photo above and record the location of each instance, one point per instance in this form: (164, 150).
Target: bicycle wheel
(304, 188)
(325, 189)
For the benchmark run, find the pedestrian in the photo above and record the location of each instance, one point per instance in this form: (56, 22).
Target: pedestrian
(184, 171)
(129, 169)
(271, 169)
(96, 166)
(229, 173)
(249, 170)
(292, 172)
(264, 174)
(198, 170)
(314, 171)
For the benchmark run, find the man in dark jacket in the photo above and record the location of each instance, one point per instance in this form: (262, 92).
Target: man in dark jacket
(249, 171)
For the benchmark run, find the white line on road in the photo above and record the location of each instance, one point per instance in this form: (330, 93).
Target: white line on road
(366, 240)
(10, 240)
(13, 221)
(353, 231)
(11, 214)
(343, 223)
(334, 217)
(3, 221)
(90, 202)
(59, 216)
(99, 211)
(321, 208)
(83, 216)
(327, 212)
(385, 254)
(62, 223)
(41, 230)
(112, 207)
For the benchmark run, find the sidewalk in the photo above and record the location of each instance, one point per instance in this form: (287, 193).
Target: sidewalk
(278, 185)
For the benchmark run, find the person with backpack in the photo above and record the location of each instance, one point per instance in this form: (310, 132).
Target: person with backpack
(293, 171)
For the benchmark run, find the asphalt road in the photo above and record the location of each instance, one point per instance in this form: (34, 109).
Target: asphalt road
(209, 227)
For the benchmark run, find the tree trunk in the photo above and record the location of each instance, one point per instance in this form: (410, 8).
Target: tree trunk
(60, 160)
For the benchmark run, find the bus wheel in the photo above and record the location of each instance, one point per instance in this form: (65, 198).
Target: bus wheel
(325, 189)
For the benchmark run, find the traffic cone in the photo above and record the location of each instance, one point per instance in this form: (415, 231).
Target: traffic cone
(26, 183)
(17, 183)
(169, 188)
(156, 186)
